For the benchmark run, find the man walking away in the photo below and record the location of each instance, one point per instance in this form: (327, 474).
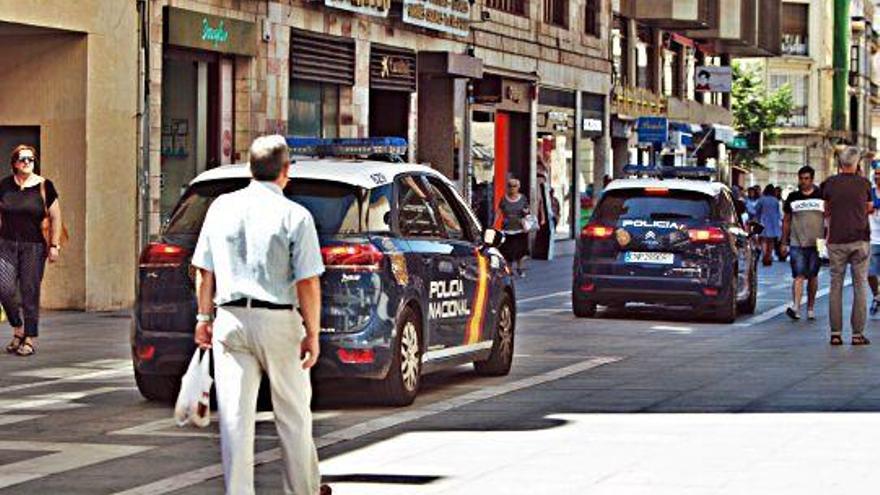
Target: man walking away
(803, 223)
(874, 270)
(255, 247)
(848, 203)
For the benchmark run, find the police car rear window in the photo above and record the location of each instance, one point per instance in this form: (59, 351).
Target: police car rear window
(337, 208)
(652, 205)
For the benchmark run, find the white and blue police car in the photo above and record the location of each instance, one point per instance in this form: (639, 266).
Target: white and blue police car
(413, 283)
(666, 236)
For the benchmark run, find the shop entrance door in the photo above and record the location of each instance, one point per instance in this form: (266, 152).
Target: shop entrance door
(389, 113)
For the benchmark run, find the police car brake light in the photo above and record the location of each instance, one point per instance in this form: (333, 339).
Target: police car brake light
(707, 235)
(356, 356)
(160, 254)
(352, 256)
(347, 146)
(596, 231)
(657, 191)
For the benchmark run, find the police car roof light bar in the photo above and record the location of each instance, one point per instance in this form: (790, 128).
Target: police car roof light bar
(347, 146)
(700, 173)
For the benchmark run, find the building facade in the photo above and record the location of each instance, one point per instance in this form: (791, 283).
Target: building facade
(665, 55)
(69, 87)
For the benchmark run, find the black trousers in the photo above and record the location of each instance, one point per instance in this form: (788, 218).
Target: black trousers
(21, 273)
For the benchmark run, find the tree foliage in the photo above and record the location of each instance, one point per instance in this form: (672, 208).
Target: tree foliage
(755, 110)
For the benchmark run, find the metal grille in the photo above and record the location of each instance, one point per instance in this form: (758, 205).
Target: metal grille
(518, 7)
(322, 58)
(392, 68)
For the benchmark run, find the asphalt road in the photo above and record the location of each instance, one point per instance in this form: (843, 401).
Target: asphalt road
(645, 401)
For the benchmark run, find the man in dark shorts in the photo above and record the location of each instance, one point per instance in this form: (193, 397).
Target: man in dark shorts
(848, 203)
(804, 222)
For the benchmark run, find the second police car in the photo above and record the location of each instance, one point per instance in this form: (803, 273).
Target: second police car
(413, 283)
(662, 240)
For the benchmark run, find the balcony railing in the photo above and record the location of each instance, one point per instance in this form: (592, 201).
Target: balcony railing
(798, 118)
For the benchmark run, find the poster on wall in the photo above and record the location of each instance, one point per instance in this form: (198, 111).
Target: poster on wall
(226, 110)
(714, 79)
(450, 16)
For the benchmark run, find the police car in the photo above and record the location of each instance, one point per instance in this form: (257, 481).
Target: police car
(666, 237)
(412, 283)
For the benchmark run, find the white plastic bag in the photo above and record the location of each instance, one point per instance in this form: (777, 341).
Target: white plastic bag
(194, 400)
(530, 223)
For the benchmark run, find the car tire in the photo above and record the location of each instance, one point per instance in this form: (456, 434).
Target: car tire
(748, 306)
(401, 385)
(159, 388)
(581, 307)
(725, 312)
(501, 357)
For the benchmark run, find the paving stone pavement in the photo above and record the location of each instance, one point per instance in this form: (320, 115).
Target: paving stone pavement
(643, 401)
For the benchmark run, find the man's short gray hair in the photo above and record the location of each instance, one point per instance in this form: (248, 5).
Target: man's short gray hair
(269, 154)
(849, 156)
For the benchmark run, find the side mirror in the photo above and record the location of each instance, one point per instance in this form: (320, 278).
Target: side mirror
(492, 238)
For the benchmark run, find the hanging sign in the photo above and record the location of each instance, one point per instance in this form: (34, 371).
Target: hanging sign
(714, 79)
(376, 8)
(447, 16)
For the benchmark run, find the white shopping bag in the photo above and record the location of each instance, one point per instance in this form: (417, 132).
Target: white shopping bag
(822, 248)
(194, 400)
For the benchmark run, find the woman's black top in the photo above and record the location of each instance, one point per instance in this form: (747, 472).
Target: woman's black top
(22, 210)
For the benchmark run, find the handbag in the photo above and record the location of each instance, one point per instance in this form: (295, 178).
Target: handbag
(193, 404)
(530, 223)
(46, 224)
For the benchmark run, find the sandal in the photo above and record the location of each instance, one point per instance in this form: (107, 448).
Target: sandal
(26, 348)
(860, 340)
(836, 340)
(14, 344)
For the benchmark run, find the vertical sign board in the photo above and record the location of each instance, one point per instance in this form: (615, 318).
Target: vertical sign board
(653, 129)
(226, 111)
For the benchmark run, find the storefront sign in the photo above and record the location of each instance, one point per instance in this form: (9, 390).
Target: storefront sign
(392, 68)
(447, 16)
(395, 66)
(653, 129)
(714, 79)
(591, 125)
(209, 32)
(377, 8)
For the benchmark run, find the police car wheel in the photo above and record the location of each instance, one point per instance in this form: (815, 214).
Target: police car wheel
(582, 308)
(401, 385)
(501, 357)
(725, 312)
(748, 306)
(159, 388)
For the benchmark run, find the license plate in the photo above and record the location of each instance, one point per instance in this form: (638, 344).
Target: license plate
(649, 258)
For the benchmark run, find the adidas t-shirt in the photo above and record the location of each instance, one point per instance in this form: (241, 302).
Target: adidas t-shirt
(807, 217)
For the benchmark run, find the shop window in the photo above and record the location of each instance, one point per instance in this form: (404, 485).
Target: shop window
(795, 28)
(314, 109)
(516, 7)
(592, 17)
(619, 51)
(556, 12)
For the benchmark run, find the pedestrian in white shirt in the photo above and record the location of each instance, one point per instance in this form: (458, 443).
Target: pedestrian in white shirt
(259, 309)
(874, 268)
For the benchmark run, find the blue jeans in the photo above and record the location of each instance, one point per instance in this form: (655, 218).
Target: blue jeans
(804, 262)
(874, 268)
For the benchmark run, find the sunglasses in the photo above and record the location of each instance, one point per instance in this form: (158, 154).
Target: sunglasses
(27, 159)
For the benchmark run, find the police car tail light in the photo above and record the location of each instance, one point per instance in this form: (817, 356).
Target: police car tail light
(160, 254)
(656, 191)
(595, 231)
(708, 235)
(356, 356)
(352, 256)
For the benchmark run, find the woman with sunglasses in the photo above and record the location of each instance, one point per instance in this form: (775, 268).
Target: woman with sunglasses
(513, 208)
(26, 199)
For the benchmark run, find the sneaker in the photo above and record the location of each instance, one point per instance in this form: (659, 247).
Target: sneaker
(811, 314)
(875, 306)
(792, 313)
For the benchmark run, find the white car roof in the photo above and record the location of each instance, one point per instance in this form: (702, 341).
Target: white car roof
(698, 186)
(360, 173)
